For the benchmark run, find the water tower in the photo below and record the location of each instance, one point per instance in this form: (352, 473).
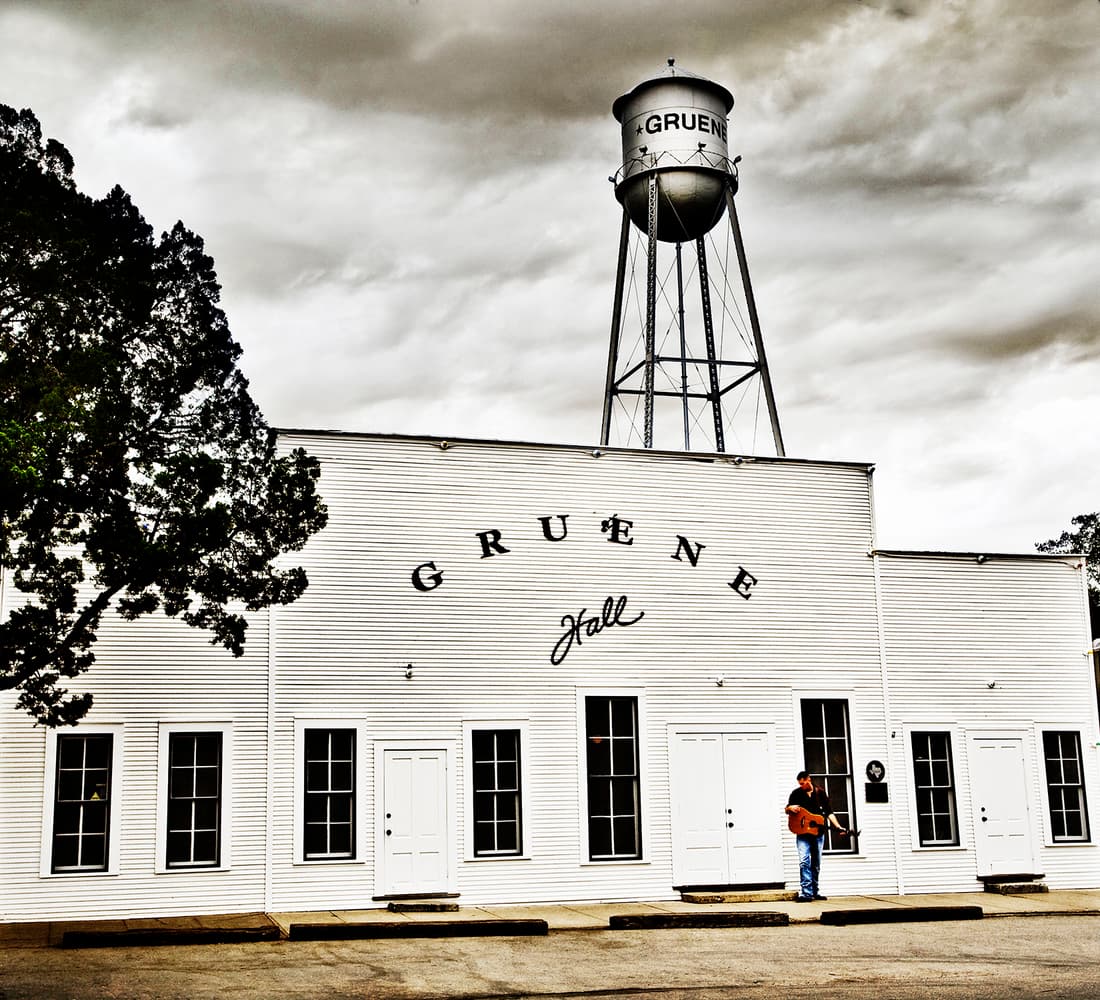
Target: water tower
(683, 345)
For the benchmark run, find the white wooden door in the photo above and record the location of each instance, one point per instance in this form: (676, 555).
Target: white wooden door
(415, 848)
(699, 832)
(998, 794)
(754, 839)
(724, 829)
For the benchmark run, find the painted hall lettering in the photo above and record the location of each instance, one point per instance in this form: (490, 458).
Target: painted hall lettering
(590, 625)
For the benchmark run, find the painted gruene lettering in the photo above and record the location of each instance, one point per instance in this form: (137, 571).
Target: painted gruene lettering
(490, 543)
(617, 529)
(683, 545)
(548, 534)
(432, 581)
(743, 582)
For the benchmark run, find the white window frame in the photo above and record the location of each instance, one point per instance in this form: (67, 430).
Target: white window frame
(362, 816)
(114, 815)
(468, 729)
(225, 845)
(1040, 752)
(848, 696)
(639, 694)
(958, 749)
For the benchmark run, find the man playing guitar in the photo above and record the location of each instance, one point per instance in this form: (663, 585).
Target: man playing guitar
(807, 813)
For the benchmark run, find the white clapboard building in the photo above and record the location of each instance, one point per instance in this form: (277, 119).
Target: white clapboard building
(530, 673)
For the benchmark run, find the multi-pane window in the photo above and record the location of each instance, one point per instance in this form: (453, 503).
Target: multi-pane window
(614, 804)
(329, 830)
(495, 768)
(934, 780)
(193, 837)
(1065, 786)
(82, 803)
(826, 748)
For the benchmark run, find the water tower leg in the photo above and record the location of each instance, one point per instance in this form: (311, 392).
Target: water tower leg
(683, 348)
(609, 392)
(715, 394)
(650, 312)
(758, 339)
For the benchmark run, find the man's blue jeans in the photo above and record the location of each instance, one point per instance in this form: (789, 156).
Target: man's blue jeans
(809, 862)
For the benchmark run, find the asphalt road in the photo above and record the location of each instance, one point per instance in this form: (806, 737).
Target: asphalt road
(1048, 957)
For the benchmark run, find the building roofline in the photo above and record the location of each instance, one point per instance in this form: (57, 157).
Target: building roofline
(596, 450)
(977, 556)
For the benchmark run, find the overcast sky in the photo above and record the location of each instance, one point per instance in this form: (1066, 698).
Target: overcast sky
(408, 206)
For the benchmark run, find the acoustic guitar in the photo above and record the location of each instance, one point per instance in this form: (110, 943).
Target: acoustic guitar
(805, 821)
(808, 822)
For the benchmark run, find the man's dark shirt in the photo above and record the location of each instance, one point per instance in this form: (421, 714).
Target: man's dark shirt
(814, 801)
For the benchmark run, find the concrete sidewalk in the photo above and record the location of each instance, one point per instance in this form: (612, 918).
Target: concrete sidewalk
(537, 919)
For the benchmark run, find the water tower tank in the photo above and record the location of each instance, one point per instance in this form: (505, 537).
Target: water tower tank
(674, 126)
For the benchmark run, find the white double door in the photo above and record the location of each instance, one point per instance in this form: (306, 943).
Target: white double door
(725, 815)
(414, 825)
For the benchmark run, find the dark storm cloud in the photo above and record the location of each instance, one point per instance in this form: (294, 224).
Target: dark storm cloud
(1069, 337)
(428, 57)
(962, 96)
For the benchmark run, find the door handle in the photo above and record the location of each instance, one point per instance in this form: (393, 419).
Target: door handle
(730, 825)
(985, 819)
(388, 832)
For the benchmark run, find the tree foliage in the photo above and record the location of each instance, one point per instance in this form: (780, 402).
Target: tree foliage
(1084, 539)
(135, 468)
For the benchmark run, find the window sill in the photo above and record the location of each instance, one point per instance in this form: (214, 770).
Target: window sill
(196, 870)
(489, 859)
(940, 849)
(49, 874)
(326, 862)
(615, 863)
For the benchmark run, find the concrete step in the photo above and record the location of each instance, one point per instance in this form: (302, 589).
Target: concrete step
(416, 929)
(1016, 888)
(663, 921)
(422, 906)
(742, 896)
(899, 914)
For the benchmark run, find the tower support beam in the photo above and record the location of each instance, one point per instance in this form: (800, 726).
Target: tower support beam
(754, 321)
(650, 311)
(708, 330)
(616, 330)
(683, 346)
